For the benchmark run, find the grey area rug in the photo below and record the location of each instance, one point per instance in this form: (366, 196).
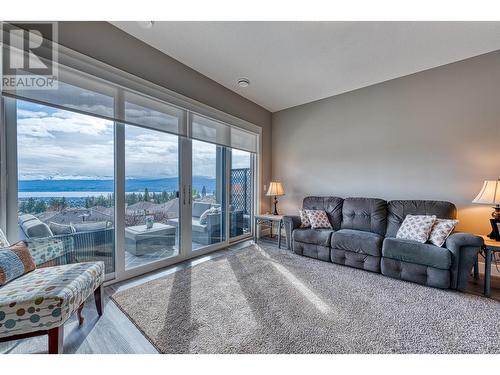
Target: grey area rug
(265, 300)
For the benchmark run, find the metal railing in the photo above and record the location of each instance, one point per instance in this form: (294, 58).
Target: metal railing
(241, 190)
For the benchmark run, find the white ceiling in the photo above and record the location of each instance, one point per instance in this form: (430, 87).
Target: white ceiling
(292, 63)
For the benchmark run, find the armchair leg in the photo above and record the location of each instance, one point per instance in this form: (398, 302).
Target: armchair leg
(98, 296)
(56, 336)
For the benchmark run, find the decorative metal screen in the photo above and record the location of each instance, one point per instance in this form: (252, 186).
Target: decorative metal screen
(241, 190)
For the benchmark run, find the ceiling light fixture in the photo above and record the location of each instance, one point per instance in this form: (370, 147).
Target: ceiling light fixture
(146, 24)
(243, 82)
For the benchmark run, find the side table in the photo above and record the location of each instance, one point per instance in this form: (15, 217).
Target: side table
(490, 246)
(269, 218)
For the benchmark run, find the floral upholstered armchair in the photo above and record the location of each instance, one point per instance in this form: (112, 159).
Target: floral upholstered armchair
(39, 302)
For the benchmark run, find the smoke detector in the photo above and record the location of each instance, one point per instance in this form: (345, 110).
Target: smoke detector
(243, 82)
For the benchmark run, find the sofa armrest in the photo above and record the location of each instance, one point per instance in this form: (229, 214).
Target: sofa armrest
(291, 222)
(464, 248)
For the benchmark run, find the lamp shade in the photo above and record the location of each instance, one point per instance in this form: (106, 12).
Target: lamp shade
(490, 193)
(276, 189)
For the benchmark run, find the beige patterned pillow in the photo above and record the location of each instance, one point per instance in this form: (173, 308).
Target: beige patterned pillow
(318, 219)
(416, 228)
(304, 219)
(441, 230)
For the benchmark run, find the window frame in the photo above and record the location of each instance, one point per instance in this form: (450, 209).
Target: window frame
(9, 192)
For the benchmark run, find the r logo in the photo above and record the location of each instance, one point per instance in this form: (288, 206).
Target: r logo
(28, 54)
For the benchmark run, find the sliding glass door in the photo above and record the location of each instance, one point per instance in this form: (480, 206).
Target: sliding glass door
(65, 185)
(208, 192)
(134, 193)
(152, 215)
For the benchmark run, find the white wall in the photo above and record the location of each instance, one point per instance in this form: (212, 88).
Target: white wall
(430, 135)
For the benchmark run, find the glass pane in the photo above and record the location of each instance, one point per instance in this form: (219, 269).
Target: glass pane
(241, 195)
(66, 185)
(151, 196)
(208, 193)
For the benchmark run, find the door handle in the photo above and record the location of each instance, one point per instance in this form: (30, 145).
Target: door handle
(184, 194)
(190, 195)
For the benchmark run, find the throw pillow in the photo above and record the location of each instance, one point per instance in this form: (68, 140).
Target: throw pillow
(318, 219)
(416, 228)
(15, 261)
(3, 240)
(59, 229)
(441, 230)
(304, 219)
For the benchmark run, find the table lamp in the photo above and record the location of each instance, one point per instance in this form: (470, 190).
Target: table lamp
(275, 189)
(490, 194)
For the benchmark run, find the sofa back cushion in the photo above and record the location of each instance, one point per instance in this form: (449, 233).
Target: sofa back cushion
(331, 205)
(35, 228)
(199, 208)
(398, 209)
(92, 226)
(365, 214)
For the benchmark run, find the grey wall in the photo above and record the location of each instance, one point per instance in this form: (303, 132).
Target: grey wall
(111, 45)
(431, 135)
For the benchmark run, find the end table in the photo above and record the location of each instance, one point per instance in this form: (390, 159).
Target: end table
(269, 218)
(490, 246)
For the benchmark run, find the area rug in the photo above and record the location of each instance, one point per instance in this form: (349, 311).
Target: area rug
(264, 300)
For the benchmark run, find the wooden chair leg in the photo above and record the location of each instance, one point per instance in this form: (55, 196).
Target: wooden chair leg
(56, 338)
(80, 315)
(98, 296)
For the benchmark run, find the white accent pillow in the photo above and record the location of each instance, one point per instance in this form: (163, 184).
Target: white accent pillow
(304, 219)
(441, 231)
(416, 228)
(318, 219)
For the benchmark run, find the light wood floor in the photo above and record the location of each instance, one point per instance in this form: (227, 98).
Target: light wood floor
(114, 333)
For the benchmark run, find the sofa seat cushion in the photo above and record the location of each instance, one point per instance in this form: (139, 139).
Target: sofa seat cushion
(357, 241)
(417, 253)
(313, 236)
(46, 297)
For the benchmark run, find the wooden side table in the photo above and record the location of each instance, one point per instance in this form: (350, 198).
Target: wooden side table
(490, 246)
(269, 218)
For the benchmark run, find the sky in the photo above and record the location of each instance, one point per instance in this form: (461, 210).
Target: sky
(59, 144)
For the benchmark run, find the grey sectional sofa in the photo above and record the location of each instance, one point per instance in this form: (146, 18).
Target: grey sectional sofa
(364, 236)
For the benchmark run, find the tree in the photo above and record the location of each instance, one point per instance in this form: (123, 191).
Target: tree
(203, 191)
(30, 205)
(40, 207)
(22, 206)
(146, 195)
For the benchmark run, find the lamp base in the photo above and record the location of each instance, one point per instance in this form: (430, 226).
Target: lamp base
(495, 230)
(275, 206)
